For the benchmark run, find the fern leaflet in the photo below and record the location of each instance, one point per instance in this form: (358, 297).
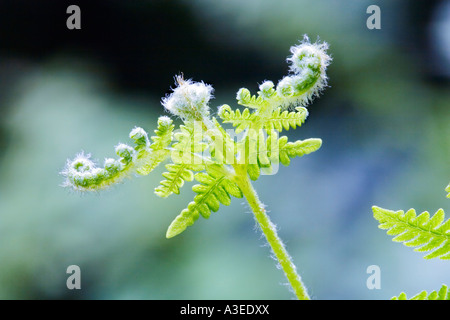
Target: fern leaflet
(280, 120)
(425, 233)
(176, 175)
(276, 119)
(214, 188)
(288, 150)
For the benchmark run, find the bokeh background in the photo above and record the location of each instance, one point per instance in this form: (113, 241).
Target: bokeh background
(384, 122)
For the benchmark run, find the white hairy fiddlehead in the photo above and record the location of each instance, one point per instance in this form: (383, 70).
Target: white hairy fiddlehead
(189, 100)
(308, 65)
(82, 174)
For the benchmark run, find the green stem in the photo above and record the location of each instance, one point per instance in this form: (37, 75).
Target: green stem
(270, 233)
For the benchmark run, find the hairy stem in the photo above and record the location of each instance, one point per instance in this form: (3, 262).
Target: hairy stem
(270, 233)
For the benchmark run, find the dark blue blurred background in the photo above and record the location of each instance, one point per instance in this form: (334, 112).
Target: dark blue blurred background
(384, 122)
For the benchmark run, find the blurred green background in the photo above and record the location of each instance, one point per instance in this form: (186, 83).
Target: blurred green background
(384, 122)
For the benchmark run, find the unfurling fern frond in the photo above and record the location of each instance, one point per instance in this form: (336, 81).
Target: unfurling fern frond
(308, 78)
(442, 294)
(82, 174)
(427, 234)
(222, 162)
(214, 188)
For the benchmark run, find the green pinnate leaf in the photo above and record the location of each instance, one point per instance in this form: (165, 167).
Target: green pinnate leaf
(215, 188)
(280, 120)
(426, 234)
(289, 150)
(175, 176)
(276, 119)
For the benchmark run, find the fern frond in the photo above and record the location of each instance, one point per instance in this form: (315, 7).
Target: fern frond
(214, 188)
(425, 233)
(448, 190)
(442, 294)
(82, 174)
